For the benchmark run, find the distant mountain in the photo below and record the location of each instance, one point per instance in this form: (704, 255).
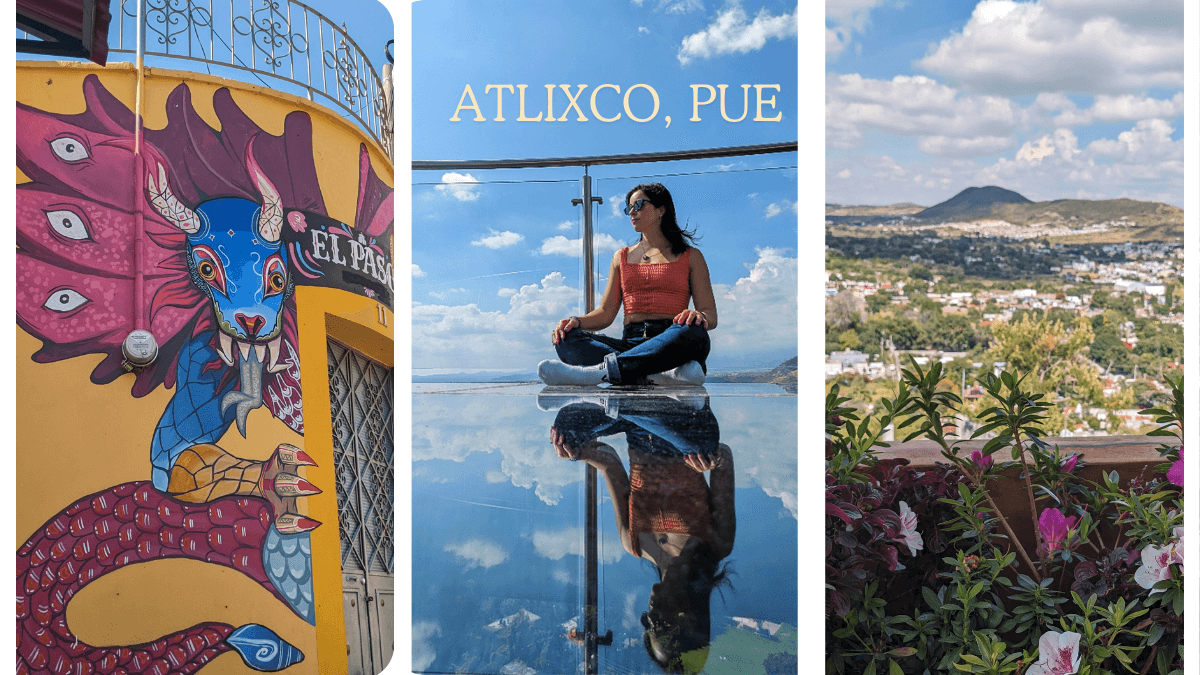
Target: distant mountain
(784, 375)
(1154, 220)
(972, 204)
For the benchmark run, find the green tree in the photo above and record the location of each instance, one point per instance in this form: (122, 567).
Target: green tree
(849, 339)
(1043, 349)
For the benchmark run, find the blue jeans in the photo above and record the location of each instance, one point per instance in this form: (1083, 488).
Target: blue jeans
(648, 347)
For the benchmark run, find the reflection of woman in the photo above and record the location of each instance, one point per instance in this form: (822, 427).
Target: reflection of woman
(666, 512)
(663, 340)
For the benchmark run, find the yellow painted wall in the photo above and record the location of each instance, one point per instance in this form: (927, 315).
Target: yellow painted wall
(75, 438)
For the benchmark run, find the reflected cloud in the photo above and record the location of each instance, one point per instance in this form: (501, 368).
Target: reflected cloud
(423, 653)
(555, 545)
(478, 553)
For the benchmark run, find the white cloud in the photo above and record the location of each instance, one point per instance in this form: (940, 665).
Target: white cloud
(680, 6)
(478, 553)
(566, 225)
(844, 173)
(423, 653)
(843, 18)
(918, 106)
(1064, 45)
(1054, 167)
(759, 309)
(774, 209)
(560, 245)
(417, 272)
(497, 240)
(643, 30)
(616, 203)
(460, 186)
(964, 147)
(441, 295)
(732, 32)
(631, 617)
(1106, 108)
(562, 576)
(555, 545)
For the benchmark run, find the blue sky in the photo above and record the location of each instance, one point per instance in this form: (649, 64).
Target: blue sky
(1055, 99)
(496, 254)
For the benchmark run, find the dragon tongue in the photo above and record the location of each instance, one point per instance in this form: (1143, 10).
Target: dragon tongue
(226, 350)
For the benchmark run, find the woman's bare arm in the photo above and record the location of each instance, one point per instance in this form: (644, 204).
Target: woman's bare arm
(610, 303)
(720, 501)
(703, 298)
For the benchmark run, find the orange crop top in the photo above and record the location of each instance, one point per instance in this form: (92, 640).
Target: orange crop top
(656, 288)
(668, 498)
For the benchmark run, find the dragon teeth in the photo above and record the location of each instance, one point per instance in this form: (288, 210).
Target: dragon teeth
(226, 351)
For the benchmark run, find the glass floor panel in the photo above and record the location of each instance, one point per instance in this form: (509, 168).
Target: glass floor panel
(500, 531)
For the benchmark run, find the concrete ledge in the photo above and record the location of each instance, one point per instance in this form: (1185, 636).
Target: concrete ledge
(1130, 456)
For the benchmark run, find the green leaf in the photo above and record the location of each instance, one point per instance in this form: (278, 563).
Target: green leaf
(903, 651)
(930, 597)
(870, 668)
(894, 668)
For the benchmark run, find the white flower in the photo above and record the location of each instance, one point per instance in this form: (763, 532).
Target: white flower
(1156, 562)
(908, 529)
(1058, 654)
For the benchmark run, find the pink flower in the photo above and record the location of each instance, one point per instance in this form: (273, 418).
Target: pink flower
(1055, 527)
(981, 460)
(1069, 465)
(908, 529)
(1058, 654)
(1175, 474)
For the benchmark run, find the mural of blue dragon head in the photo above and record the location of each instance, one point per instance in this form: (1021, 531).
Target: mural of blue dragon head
(236, 257)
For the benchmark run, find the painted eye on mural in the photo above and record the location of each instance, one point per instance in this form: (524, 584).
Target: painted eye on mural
(68, 223)
(274, 276)
(69, 149)
(209, 267)
(64, 300)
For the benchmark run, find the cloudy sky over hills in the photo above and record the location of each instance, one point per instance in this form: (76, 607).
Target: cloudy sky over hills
(1054, 99)
(497, 253)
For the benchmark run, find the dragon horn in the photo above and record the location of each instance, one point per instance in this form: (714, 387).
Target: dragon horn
(270, 218)
(167, 205)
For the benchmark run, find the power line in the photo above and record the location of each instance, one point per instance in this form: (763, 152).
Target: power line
(598, 178)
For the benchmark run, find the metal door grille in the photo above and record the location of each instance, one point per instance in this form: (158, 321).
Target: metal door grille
(360, 395)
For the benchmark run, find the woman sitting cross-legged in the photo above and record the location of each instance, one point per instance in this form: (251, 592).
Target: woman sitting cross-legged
(664, 342)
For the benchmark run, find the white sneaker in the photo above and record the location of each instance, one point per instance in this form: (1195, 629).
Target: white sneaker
(554, 372)
(689, 374)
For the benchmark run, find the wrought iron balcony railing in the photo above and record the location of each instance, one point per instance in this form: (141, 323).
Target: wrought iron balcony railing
(298, 48)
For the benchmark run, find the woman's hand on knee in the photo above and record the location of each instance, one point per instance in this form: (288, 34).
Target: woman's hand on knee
(690, 317)
(565, 326)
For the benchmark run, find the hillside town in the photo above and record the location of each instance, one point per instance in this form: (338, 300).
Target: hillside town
(934, 306)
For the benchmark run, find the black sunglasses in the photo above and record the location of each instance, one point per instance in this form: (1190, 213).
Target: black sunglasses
(636, 206)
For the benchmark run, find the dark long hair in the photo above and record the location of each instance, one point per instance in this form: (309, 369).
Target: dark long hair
(659, 196)
(705, 573)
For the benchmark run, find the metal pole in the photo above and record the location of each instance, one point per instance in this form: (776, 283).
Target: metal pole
(588, 289)
(591, 627)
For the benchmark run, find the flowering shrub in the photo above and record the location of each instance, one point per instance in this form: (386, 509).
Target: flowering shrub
(925, 574)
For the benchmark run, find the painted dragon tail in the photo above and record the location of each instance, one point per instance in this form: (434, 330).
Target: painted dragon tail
(125, 525)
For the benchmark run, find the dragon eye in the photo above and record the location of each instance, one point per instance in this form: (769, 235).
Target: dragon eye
(64, 300)
(69, 149)
(209, 267)
(274, 276)
(68, 224)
